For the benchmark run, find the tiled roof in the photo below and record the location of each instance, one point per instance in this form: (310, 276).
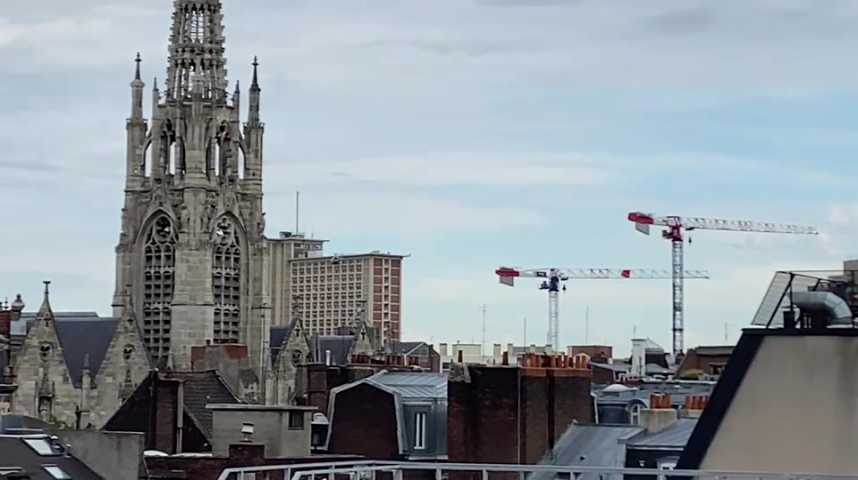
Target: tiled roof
(201, 389)
(590, 446)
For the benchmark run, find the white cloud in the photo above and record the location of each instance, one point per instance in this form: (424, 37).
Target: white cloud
(331, 213)
(452, 169)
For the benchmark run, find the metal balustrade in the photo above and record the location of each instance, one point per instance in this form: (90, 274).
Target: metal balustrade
(368, 470)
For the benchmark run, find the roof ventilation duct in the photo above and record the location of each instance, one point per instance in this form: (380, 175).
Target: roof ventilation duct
(832, 306)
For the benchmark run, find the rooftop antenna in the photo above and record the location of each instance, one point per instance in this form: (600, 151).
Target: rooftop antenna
(297, 213)
(483, 345)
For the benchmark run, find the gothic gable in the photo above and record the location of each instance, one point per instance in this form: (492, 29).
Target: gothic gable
(45, 389)
(126, 364)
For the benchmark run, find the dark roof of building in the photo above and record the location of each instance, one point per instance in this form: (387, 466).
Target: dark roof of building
(413, 385)
(277, 336)
(85, 340)
(715, 351)
(17, 454)
(201, 389)
(642, 393)
(590, 446)
(651, 368)
(676, 436)
(339, 345)
(21, 326)
(81, 335)
(10, 423)
(408, 348)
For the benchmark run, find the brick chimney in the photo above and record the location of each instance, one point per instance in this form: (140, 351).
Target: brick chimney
(694, 405)
(660, 415)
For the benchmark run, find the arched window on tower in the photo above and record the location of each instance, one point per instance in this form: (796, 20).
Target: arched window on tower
(214, 158)
(227, 281)
(171, 163)
(159, 249)
(146, 167)
(241, 162)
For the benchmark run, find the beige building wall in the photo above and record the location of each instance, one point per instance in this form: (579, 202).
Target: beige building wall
(285, 431)
(281, 251)
(794, 411)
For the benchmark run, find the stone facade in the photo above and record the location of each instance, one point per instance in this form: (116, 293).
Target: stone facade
(55, 389)
(192, 243)
(294, 352)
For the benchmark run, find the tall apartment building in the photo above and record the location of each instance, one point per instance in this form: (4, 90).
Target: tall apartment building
(339, 291)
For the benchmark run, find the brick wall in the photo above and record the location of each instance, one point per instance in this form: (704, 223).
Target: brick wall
(364, 423)
(514, 415)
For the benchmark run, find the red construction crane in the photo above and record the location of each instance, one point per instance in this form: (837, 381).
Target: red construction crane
(676, 226)
(553, 279)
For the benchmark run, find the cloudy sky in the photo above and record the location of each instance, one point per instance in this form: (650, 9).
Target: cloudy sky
(467, 134)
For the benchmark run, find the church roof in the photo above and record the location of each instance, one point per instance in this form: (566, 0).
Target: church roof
(81, 335)
(340, 347)
(277, 336)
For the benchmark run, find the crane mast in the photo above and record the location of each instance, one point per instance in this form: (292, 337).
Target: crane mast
(554, 279)
(675, 228)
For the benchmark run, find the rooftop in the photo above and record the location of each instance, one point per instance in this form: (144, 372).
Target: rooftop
(413, 385)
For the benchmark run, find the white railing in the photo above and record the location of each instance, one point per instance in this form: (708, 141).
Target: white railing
(367, 470)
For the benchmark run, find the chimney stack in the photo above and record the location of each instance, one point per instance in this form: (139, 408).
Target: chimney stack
(695, 404)
(660, 415)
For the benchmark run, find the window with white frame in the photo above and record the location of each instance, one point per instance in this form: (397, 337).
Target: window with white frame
(420, 430)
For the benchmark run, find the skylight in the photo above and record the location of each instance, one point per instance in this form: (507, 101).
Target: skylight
(56, 472)
(42, 446)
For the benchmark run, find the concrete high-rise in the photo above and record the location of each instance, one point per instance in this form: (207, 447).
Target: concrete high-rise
(339, 291)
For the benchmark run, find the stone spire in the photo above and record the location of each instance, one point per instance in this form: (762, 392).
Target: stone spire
(45, 312)
(137, 93)
(255, 91)
(197, 50)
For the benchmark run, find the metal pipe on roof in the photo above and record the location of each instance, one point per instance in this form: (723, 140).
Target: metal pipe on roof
(835, 307)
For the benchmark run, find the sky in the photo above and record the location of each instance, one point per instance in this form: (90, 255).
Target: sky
(468, 134)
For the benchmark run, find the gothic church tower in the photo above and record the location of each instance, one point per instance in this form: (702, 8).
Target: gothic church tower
(191, 248)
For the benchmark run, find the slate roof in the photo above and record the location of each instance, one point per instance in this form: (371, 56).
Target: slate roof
(413, 385)
(21, 326)
(201, 389)
(405, 348)
(16, 453)
(80, 334)
(675, 437)
(339, 345)
(276, 338)
(590, 446)
(651, 368)
(718, 351)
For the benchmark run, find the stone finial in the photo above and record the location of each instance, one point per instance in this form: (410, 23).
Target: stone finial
(45, 311)
(255, 83)
(18, 305)
(137, 61)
